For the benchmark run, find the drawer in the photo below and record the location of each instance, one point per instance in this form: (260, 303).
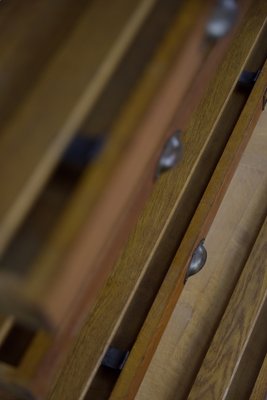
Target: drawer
(78, 245)
(205, 298)
(39, 146)
(61, 285)
(172, 285)
(212, 143)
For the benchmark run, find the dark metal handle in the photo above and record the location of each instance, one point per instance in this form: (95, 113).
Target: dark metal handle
(222, 19)
(171, 154)
(198, 260)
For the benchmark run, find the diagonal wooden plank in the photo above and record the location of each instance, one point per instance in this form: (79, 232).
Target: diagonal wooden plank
(225, 354)
(260, 388)
(204, 298)
(38, 132)
(169, 292)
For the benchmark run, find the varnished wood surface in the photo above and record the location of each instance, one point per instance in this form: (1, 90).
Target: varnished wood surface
(167, 50)
(90, 334)
(67, 250)
(222, 361)
(120, 195)
(260, 388)
(30, 33)
(145, 345)
(5, 326)
(197, 314)
(57, 105)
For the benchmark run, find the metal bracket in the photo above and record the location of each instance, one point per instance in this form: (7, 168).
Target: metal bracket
(82, 150)
(247, 79)
(115, 358)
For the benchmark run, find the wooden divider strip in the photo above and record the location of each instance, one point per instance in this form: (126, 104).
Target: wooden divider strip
(160, 312)
(260, 388)
(30, 34)
(229, 344)
(81, 249)
(35, 136)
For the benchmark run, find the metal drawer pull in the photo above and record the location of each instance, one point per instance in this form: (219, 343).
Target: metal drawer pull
(222, 19)
(171, 154)
(198, 260)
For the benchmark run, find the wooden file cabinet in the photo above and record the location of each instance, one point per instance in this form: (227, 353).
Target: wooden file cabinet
(95, 238)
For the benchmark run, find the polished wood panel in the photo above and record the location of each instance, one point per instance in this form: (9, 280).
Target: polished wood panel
(205, 296)
(260, 388)
(30, 34)
(86, 240)
(225, 354)
(35, 136)
(33, 373)
(169, 292)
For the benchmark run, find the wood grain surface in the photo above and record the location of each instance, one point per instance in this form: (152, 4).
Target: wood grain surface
(84, 247)
(34, 366)
(24, 55)
(118, 287)
(169, 292)
(228, 346)
(40, 129)
(168, 48)
(197, 313)
(84, 244)
(260, 388)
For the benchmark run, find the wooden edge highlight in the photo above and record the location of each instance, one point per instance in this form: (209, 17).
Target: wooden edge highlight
(222, 361)
(153, 328)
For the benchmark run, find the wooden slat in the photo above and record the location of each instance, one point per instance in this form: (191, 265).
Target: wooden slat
(30, 33)
(36, 135)
(5, 326)
(86, 356)
(29, 366)
(225, 354)
(132, 66)
(260, 388)
(80, 244)
(11, 386)
(45, 376)
(170, 290)
(204, 299)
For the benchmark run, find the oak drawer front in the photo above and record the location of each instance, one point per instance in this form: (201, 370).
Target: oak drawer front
(78, 248)
(92, 217)
(163, 305)
(50, 300)
(140, 258)
(204, 299)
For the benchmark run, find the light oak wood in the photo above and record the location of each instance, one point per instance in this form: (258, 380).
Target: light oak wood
(260, 389)
(222, 361)
(91, 332)
(59, 273)
(197, 313)
(147, 341)
(5, 325)
(33, 368)
(58, 103)
(30, 34)
(119, 200)
(43, 342)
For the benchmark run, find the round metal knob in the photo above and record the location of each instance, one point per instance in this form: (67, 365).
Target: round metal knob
(198, 260)
(171, 153)
(222, 19)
